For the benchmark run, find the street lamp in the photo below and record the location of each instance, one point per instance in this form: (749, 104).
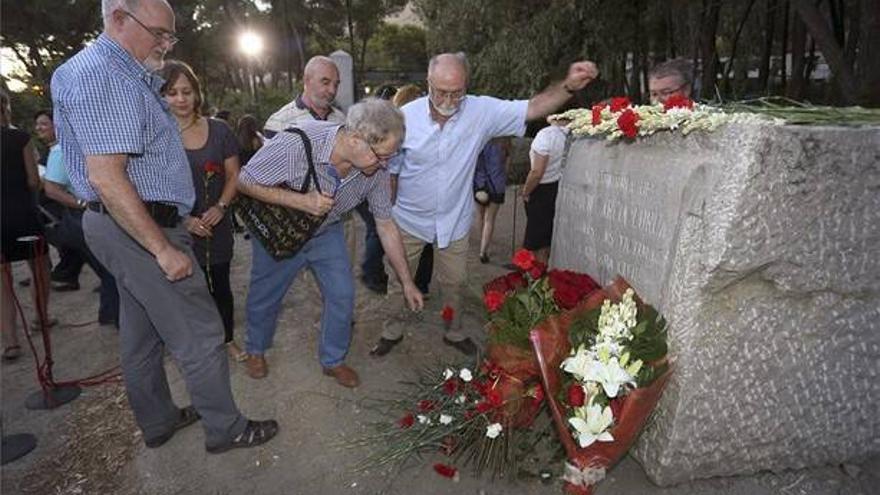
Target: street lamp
(251, 45)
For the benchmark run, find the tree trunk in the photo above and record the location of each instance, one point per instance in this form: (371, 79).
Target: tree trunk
(783, 72)
(869, 47)
(833, 53)
(798, 84)
(769, 28)
(729, 65)
(711, 11)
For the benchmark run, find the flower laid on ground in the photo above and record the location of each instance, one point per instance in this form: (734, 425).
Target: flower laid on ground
(493, 430)
(448, 314)
(622, 119)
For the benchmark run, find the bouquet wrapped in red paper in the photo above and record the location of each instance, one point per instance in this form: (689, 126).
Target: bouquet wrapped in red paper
(608, 385)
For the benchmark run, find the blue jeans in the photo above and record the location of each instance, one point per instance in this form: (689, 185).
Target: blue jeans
(327, 256)
(372, 267)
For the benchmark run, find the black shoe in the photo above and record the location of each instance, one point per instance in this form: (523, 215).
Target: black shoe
(65, 286)
(384, 346)
(255, 433)
(484, 258)
(375, 285)
(466, 346)
(188, 416)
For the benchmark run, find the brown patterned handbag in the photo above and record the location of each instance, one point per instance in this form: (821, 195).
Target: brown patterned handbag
(282, 231)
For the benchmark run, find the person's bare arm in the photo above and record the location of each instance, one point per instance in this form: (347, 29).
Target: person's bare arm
(579, 75)
(30, 168)
(214, 214)
(539, 165)
(311, 202)
(108, 176)
(58, 193)
(392, 243)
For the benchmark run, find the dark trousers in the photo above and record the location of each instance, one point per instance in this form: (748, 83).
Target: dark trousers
(422, 278)
(372, 268)
(217, 277)
(156, 313)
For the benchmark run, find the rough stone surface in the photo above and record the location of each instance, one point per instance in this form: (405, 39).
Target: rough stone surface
(761, 245)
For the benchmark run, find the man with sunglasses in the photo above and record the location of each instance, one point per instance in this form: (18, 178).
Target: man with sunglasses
(671, 78)
(125, 157)
(445, 132)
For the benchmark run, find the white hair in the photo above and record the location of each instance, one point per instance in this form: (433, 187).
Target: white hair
(108, 6)
(314, 62)
(375, 120)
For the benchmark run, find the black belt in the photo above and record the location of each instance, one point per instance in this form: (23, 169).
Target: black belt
(166, 216)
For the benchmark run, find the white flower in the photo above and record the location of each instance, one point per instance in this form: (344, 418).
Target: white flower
(461, 399)
(465, 374)
(445, 419)
(423, 420)
(610, 375)
(578, 363)
(448, 374)
(493, 430)
(591, 424)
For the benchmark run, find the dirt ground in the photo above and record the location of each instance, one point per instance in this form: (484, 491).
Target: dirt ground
(91, 445)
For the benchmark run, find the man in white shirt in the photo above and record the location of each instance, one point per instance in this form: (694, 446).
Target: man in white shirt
(445, 132)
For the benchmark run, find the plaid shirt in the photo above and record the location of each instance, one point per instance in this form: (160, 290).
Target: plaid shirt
(107, 103)
(282, 160)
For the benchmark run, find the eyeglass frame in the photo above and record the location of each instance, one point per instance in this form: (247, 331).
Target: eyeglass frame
(163, 36)
(666, 93)
(455, 96)
(382, 158)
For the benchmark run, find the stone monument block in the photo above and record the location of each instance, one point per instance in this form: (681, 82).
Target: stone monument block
(761, 246)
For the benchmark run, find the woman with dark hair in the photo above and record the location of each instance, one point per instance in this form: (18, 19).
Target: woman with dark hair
(249, 137)
(212, 150)
(22, 232)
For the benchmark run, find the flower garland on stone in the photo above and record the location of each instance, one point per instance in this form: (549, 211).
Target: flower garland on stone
(620, 119)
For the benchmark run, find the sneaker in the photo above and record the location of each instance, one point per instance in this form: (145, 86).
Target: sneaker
(188, 416)
(255, 433)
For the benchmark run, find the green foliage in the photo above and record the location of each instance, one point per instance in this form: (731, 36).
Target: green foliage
(398, 47)
(521, 312)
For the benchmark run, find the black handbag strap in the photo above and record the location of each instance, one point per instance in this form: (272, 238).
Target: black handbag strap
(311, 174)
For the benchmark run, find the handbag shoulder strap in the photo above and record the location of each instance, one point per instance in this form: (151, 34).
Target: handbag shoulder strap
(311, 174)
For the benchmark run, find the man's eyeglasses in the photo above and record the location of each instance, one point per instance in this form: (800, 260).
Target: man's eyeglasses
(666, 93)
(382, 158)
(161, 35)
(446, 95)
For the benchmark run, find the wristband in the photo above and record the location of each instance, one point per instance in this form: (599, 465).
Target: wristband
(222, 206)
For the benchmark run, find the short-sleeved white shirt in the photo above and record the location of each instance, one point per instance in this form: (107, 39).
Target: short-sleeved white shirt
(550, 142)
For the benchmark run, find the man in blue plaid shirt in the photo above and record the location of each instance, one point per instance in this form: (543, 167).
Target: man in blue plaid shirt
(125, 157)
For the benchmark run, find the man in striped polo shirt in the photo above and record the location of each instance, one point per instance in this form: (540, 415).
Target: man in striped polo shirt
(350, 164)
(125, 157)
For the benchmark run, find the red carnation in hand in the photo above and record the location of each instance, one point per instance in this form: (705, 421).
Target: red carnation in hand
(493, 300)
(213, 168)
(597, 113)
(628, 123)
(576, 395)
(678, 101)
(406, 421)
(524, 259)
(446, 470)
(447, 314)
(618, 103)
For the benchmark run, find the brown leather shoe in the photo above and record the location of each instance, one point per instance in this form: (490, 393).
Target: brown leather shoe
(344, 376)
(256, 366)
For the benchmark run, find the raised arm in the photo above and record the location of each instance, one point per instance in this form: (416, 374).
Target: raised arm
(579, 75)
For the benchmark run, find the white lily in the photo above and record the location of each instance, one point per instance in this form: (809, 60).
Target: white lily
(609, 374)
(493, 430)
(578, 363)
(591, 424)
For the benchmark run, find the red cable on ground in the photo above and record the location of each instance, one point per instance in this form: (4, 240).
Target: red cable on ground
(44, 369)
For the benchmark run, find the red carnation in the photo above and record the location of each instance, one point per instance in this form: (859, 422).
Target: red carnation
(678, 101)
(484, 407)
(493, 300)
(406, 421)
(447, 314)
(426, 405)
(494, 397)
(576, 395)
(515, 280)
(628, 123)
(450, 386)
(597, 113)
(566, 297)
(213, 168)
(618, 103)
(524, 259)
(445, 470)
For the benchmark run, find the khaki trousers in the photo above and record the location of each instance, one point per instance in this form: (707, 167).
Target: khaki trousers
(450, 273)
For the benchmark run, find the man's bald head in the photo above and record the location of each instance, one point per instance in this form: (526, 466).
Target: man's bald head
(449, 68)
